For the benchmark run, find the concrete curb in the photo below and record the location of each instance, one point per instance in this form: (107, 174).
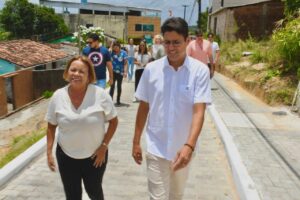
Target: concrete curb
(243, 181)
(20, 162)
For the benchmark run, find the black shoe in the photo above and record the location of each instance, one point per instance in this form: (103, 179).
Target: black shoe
(118, 104)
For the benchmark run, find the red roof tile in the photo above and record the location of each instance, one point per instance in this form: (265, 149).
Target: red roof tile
(27, 53)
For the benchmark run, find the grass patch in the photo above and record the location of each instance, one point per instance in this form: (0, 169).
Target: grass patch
(20, 144)
(283, 95)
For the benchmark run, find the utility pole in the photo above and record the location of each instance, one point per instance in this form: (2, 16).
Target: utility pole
(199, 18)
(184, 11)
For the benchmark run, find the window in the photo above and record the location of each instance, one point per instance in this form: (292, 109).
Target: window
(215, 25)
(99, 12)
(133, 13)
(148, 27)
(116, 13)
(222, 3)
(144, 27)
(84, 11)
(138, 27)
(89, 25)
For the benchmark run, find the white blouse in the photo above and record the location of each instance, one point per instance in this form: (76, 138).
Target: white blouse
(80, 131)
(144, 59)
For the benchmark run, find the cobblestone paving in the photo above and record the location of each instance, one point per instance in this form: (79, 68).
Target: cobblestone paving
(273, 179)
(210, 176)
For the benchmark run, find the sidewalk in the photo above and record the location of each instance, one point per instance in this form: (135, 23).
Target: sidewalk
(210, 176)
(270, 169)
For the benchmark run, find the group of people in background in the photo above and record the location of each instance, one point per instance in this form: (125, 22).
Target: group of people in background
(129, 60)
(121, 61)
(173, 89)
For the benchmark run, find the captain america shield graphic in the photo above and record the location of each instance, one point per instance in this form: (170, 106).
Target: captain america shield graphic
(96, 58)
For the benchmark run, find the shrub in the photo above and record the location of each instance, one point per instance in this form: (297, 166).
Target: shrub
(4, 35)
(288, 45)
(47, 94)
(24, 19)
(84, 33)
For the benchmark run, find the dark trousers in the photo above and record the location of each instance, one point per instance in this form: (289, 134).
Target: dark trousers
(74, 171)
(119, 78)
(138, 75)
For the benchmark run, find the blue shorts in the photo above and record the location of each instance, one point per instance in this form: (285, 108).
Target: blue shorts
(101, 83)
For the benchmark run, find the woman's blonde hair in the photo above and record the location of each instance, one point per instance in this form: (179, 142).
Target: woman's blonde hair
(87, 62)
(158, 37)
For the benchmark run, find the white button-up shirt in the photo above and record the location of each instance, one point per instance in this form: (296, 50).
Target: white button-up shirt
(80, 131)
(171, 95)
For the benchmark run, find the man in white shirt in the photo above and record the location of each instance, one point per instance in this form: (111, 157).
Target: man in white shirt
(215, 49)
(173, 92)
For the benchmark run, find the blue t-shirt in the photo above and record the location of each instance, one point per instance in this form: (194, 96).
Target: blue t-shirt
(99, 58)
(118, 61)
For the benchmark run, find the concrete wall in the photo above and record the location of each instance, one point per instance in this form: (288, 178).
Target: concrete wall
(115, 25)
(3, 103)
(257, 20)
(133, 20)
(112, 24)
(22, 87)
(28, 85)
(44, 80)
(225, 21)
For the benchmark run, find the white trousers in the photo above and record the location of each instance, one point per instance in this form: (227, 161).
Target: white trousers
(163, 183)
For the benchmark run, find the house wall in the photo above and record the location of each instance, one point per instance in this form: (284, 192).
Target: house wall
(3, 103)
(112, 24)
(133, 20)
(22, 87)
(115, 25)
(44, 80)
(257, 20)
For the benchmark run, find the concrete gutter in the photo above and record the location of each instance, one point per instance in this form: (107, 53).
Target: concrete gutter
(16, 165)
(244, 183)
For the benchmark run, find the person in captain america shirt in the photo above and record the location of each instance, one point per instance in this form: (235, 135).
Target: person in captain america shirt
(100, 57)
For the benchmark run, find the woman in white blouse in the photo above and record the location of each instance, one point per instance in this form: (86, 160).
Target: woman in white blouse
(142, 57)
(78, 112)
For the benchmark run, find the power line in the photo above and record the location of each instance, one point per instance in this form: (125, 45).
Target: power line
(184, 11)
(192, 12)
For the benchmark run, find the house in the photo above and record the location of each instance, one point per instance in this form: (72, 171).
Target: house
(118, 20)
(27, 53)
(33, 72)
(239, 19)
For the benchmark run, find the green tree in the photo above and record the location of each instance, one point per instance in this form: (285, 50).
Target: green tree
(17, 17)
(24, 19)
(203, 21)
(291, 6)
(46, 21)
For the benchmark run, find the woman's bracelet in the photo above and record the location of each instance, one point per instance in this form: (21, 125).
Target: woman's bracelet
(104, 144)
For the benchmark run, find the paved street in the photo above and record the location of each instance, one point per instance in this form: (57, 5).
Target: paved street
(210, 177)
(272, 177)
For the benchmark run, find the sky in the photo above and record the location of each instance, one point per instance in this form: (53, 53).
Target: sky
(176, 6)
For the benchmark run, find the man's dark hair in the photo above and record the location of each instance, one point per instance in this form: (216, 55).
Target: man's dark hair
(94, 36)
(116, 44)
(176, 24)
(210, 34)
(198, 32)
